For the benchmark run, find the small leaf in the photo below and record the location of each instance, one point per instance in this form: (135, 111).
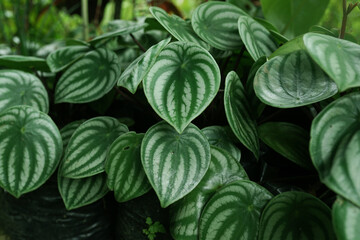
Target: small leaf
(63, 57)
(289, 47)
(174, 163)
(25, 63)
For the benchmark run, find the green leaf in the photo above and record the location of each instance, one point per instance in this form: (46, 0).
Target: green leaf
(185, 213)
(335, 144)
(337, 57)
(63, 57)
(292, 80)
(257, 39)
(288, 139)
(21, 88)
(86, 152)
(126, 176)
(293, 17)
(238, 113)
(137, 70)
(24, 63)
(234, 212)
(89, 78)
(296, 215)
(182, 83)
(177, 27)
(346, 219)
(216, 23)
(289, 47)
(174, 163)
(30, 149)
(67, 131)
(322, 30)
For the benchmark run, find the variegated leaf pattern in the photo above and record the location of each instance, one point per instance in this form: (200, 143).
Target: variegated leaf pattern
(136, 71)
(292, 80)
(21, 88)
(30, 149)
(174, 163)
(334, 146)
(177, 27)
(126, 176)
(89, 78)
(296, 215)
(86, 151)
(181, 84)
(238, 113)
(234, 212)
(256, 38)
(63, 57)
(185, 213)
(337, 57)
(68, 130)
(216, 23)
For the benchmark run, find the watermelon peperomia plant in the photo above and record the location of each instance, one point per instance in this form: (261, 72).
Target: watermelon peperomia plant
(255, 123)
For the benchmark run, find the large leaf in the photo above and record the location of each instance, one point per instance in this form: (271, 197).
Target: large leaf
(177, 27)
(126, 176)
(21, 88)
(337, 57)
(174, 163)
(216, 23)
(185, 213)
(296, 215)
(335, 144)
(23, 63)
(292, 80)
(234, 212)
(293, 17)
(182, 83)
(238, 113)
(137, 70)
(89, 78)
(86, 151)
(257, 39)
(30, 149)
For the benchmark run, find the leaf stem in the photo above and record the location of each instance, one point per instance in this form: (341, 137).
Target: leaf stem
(85, 16)
(137, 42)
(344, 20)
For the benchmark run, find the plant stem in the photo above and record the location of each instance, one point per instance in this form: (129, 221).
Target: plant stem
(85, 16)
(137, 42)
(344, 20)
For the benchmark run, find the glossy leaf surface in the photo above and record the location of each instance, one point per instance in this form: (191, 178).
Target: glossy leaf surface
(68, 130)
(63, 57)
(23, 63)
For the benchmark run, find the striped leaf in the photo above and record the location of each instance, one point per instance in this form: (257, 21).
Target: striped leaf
(68, 130)
(174, 163)
(23, 63)
(63, 57)
(256, 38)
(220, 137)
(292, 80)
(185, 213)
(21, 88)
(181, 84)
(87, 148)
(337, 57)
(136, 71)
(30, 149)
(346, 220)
(334, 146)
(177, 27)
(239, 114)
(296, 215)
(234, 212)
(216, 23)
(89, 78)
(126, 176)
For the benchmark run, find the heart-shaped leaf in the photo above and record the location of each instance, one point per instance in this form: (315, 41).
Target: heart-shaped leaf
(86, 152)
(292, 80)
(216, 23)
(24, 63)
(181, 84)
(174, 163)
(177, 27)
(334, 146)
(238, 113)
(256, 38)
(296, 215)
(234, 212)
(21, 88)
(337, 57)
(30, 149)
(89, 78)
(126, 176)
(185, 213)
(63, 57)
